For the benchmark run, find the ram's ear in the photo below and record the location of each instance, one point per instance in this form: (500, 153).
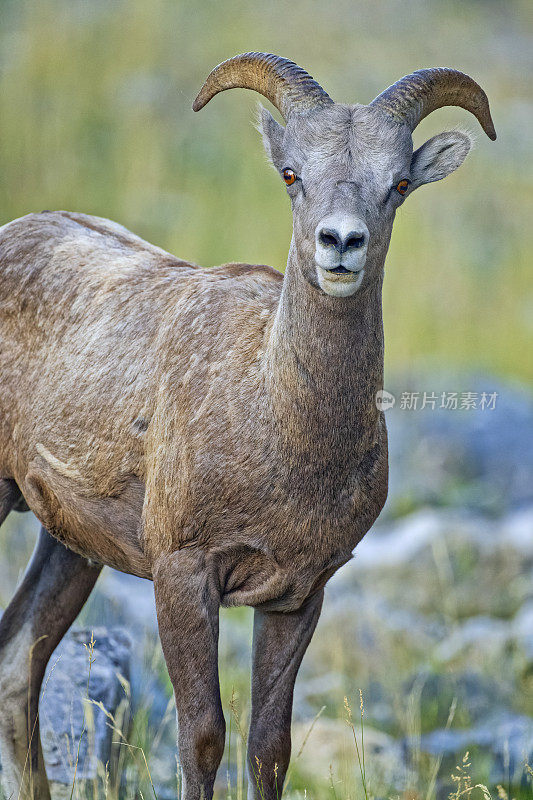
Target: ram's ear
(272, 133)
(438, 157)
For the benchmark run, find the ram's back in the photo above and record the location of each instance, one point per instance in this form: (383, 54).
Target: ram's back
(92, 321)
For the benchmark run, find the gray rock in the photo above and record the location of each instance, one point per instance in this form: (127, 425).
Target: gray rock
(507, 736)
(523, 628)
(128, 601)
(489, 636)
(125, 600)
(483, 633)
(65, 711)
(476, 458)
(330, 744)
(395, 543)
(517, 531)
(472, 694)
(400, 542)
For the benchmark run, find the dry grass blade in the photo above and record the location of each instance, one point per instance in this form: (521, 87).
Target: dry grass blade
(438, 761)
(91, 657)
(134, 747)
(359, 751)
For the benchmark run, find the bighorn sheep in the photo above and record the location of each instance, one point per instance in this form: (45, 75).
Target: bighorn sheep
(214, 430)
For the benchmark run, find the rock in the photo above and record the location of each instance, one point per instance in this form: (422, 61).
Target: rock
(63, 703)
(523, 629)
(128, 601)
(331, 742)
(481, 633)
(400, 542)
(125, 600)
(470, 693)
(517, 531)
(395, 543)
(489, 636)
(508, 737)
(476, 458)
(308, 688)
(408, 559)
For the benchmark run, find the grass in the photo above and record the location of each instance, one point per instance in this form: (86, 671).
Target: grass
(129, 776)
(356, 644)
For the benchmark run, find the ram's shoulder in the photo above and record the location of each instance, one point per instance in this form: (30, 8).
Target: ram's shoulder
(260, 272)
(253, 287)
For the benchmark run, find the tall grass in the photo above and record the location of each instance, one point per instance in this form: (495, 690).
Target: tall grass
(351, 774)
(128, 776)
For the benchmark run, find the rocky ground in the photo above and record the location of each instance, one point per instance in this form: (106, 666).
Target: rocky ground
(432, 620)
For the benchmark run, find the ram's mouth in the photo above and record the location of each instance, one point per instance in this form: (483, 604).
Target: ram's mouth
(340, 270)
(339, 281)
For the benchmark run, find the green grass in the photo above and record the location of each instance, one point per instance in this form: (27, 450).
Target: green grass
(418, 689)
(349, 770)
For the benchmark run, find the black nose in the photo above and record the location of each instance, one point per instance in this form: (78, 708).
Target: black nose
(329, 237)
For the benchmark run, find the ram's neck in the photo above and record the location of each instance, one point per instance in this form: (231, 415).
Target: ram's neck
(324, 365)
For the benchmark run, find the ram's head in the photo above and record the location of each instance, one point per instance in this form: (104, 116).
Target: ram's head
(349, 167)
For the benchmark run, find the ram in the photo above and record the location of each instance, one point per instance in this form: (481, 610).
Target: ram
(214, 430)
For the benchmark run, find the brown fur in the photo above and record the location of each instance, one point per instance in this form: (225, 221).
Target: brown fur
(158, 406)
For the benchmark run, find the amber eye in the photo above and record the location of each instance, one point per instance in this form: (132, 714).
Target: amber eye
(402, 186)
(289, 176)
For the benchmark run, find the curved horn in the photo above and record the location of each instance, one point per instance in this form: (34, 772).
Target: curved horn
(288, 87)
(414, 97)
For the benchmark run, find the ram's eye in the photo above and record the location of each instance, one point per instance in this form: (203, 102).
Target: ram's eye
(403, 186)
(289, 176)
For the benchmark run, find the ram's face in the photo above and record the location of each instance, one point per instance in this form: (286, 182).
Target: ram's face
(347, 169)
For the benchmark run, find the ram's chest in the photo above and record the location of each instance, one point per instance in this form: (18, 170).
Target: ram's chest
(289, 510)
(277, 529)
(270, 546)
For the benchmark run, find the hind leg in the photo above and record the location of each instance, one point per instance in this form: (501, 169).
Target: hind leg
(54, 589)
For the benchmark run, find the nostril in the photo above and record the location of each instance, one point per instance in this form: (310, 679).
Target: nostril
(329, 238)
(354, 241)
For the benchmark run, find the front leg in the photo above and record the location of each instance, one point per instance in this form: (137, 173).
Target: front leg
(279, 643)
(187, 602)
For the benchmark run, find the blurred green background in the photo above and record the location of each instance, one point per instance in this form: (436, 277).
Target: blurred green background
(95, 116)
